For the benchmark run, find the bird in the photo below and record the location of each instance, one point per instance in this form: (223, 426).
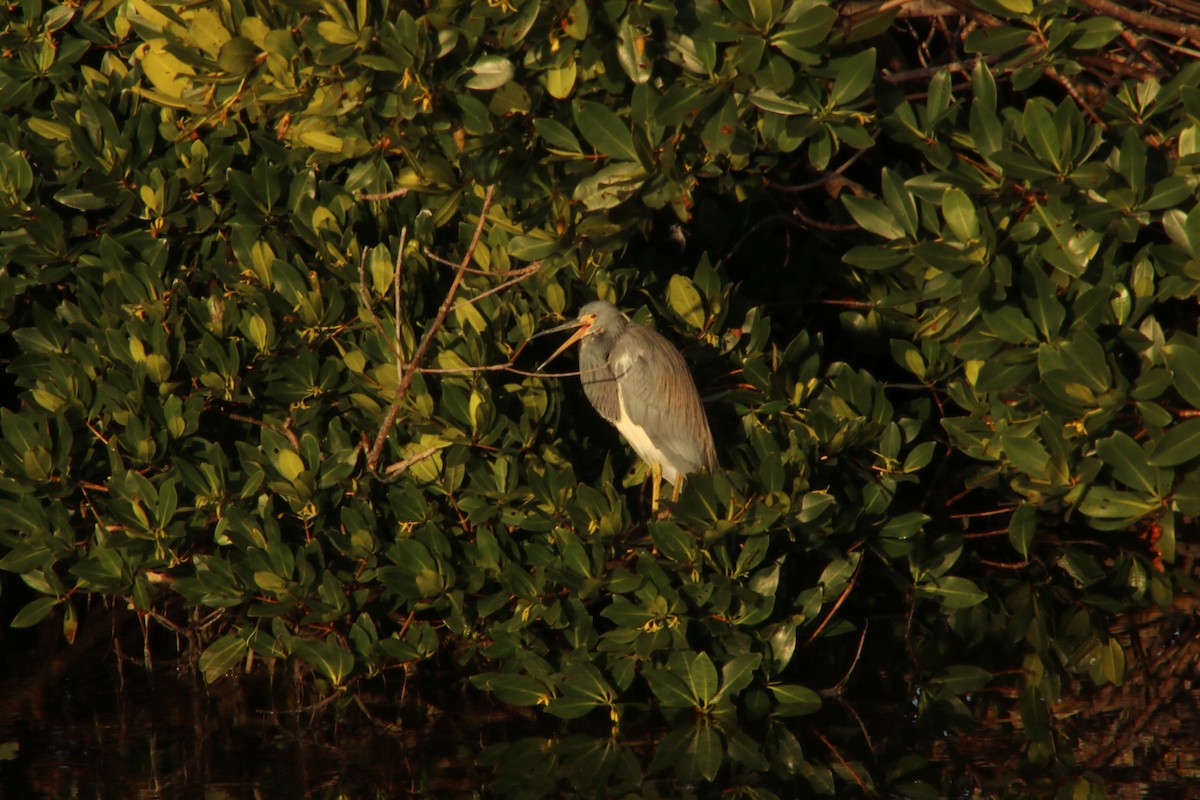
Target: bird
(640, 383)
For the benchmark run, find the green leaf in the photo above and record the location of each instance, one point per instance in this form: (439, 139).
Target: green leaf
(632, 52)
(900, 201)
(795, 700)
(1025, 452)
(34, 612)
(491, 72)
(953, 592)
(873, 216)
(904, 526)
(1039, 292)
(684, 299)
(1087, 360)
(737, 673)
(1128, 462)
(1169, 193)
(701, 677)
(532, 248)
(1022, 528)
(669, 688)
(853, 75)
(1184, 363)
(517, 690)
(588, 681)
(557, 135)
(329, 658)
(960, 214)
(996, 39)
(604, 130)
(1103, 502)
(874, 257)
(221, 656)
(1180, 444)
(798, 39)
(961, 679)
(560, 81)
(768, 100)
(1042, 134)
(290, 464)
(571, 706)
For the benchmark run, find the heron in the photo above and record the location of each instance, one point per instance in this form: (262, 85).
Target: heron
(638, 382)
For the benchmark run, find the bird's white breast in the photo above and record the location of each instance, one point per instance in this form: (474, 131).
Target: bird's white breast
(640, 441)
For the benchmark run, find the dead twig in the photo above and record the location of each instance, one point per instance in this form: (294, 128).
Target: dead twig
(521, 274)
(406, 378)
(1149, 22)
(392, 195)
(401, 466)
(285, 428)
(841, 599)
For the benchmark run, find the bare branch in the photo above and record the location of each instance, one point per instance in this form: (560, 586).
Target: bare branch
(432, 256)
(285, 428)
(405, 380)
(1146, 21)
(520, 275)
(908, 8)
(401, 466)
(392, 195)
(365, 297)
(398, 348)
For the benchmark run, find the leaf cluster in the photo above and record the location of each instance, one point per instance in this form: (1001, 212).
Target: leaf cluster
(270, 268)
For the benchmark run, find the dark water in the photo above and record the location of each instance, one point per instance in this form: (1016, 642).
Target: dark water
(133, 734)
(100, 732)
(103, 732)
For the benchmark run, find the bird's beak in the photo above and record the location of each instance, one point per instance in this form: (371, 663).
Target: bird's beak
(582, 327)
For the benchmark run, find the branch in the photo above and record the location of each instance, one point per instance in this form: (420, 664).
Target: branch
(389, 420)
(392, 195)
(908, 8)
(400, 466)
(926, 72)
(285, 428)
(521, 274)
(1147, 21)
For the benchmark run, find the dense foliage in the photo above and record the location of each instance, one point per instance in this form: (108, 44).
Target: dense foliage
(269, 269)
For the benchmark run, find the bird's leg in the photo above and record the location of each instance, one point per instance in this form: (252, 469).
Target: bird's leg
(674, 497)
(655, 484)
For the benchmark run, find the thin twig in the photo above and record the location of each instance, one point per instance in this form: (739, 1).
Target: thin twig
(1146, 21)
(841, 599)
(1065, 82)
(389, 420)
(285, 429)
(840, 686)
(925, 72)
(432, 256)
(867, 790)
(522, 274)
(827, 176)
(399, 348)
(821, 226)
(401, 466)
(392, 195)
(908, 8)
(366, 299)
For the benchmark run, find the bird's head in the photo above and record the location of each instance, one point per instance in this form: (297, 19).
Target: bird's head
(595, 319)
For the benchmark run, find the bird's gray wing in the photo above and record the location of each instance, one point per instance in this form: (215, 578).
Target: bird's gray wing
(661, 398)
(598, 382)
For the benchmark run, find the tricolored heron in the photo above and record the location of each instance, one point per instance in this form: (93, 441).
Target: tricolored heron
(640, 383)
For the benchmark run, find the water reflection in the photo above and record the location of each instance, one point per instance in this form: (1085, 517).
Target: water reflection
(103, 734)
(98, 733)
